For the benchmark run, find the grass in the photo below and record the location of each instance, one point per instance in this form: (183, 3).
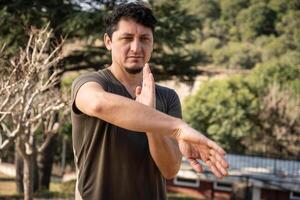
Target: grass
(177, 196)
(3, 175)
(7, 186)
(57, 190)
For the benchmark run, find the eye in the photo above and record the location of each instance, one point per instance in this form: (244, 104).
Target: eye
(146, 39)
(127, 38)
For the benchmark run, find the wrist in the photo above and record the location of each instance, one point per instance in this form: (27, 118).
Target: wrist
(177, 128)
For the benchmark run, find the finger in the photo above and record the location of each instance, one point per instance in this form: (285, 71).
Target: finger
(215, 146)
(221, 169)
(219, 157)
(138, 90)
(195, 164)
(147, 68)
(146, 71)
(151, 84)
(218, 166)
(213, 168)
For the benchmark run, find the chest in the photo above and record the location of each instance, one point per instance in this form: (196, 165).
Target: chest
(160, 98)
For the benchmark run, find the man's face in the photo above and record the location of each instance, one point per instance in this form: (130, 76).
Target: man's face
(131, 45)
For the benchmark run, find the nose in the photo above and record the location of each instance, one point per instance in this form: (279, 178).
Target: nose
(135, 46)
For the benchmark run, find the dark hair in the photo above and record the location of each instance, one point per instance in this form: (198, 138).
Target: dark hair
(136, 11)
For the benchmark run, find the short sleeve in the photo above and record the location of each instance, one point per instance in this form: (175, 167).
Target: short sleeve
(174, 106)
(79, 81)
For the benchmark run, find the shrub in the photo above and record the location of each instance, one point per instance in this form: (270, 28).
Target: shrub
(237, 55)
(239, 112)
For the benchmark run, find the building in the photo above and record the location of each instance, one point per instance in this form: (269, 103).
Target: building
(250, 177)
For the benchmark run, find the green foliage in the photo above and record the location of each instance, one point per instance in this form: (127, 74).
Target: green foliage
(205, 9)
(271, 26)
(272, 47)
(216, 28)
(279, 122)
(222, 109)
(175, 32)
(255, 21)
(275, 72)
(68, 187)
(231, 8)
(289, 26)
(235, 111)
(283, 6)
(291, 58)
(237, 55)
(184, 29)
(210, 45)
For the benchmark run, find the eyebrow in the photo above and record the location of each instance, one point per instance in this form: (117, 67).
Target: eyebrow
(130, 34)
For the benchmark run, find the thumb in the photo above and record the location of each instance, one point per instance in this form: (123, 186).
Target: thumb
(138, 90)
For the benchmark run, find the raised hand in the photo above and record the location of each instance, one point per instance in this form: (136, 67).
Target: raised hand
(146, 93)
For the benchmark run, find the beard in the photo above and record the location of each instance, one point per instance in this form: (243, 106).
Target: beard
(134, 70)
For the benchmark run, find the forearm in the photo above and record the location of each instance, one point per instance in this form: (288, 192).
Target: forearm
(135, 116)
(165, 153)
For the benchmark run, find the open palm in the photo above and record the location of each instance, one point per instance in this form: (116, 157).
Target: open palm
(212, 158)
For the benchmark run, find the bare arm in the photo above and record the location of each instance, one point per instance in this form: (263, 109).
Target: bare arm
(165, 153)
(92, 100)
(164, 150)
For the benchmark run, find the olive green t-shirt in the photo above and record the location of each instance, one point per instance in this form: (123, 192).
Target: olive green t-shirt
(112, 162)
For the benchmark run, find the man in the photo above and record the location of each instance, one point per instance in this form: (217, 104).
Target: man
(127, 132)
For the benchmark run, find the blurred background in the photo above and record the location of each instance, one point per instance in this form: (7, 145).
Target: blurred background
(234, 63)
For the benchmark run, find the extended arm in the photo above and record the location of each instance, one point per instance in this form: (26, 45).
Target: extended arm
(92, 100)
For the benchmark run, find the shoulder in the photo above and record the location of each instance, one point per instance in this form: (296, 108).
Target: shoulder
(164, 90)
(168, 99)
(88, 76)
(96, 76)
(166, 93)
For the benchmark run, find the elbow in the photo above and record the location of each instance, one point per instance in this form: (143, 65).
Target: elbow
(172, 171)
(170, 175)
(95, 109)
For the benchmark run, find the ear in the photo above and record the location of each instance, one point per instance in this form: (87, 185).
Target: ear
(107, 41)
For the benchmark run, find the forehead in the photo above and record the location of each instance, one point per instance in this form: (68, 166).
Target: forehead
(129, 26)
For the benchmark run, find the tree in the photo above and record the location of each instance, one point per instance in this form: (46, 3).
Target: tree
(279, 122)
(176, 30)
(84, 21)
(231, 8)
(30, 101)
(255, 21)
(237, 55)
(223, 109)
(289, 27)
(205, 9)
(251, 111)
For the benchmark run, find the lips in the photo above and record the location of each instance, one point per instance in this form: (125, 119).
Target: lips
(135, 57)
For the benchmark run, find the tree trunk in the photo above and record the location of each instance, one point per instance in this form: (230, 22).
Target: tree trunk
(63, 155)
(19, 172)
(35, 174)
(19, 162)
(28, 178)
(45, 163)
